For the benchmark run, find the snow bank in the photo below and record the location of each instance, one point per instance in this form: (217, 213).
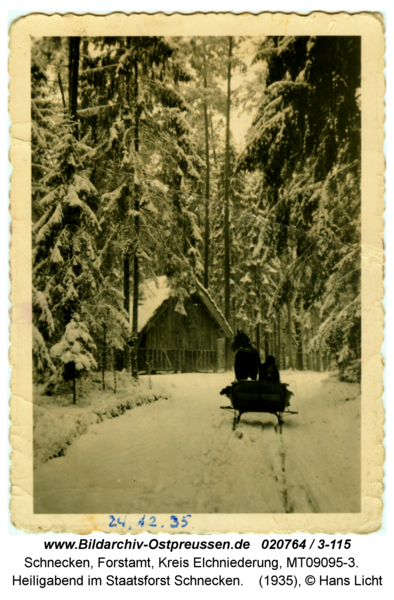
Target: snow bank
(57, 422)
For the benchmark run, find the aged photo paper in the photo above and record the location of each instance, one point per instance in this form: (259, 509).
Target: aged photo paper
(197, 273)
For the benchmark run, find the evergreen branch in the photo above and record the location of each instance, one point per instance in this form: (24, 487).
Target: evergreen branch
(289, 269)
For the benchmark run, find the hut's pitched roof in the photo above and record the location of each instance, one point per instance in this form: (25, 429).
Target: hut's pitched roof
(213, 309)
(153, 294)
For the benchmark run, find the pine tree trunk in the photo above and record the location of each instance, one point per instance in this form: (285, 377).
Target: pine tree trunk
(228, 357)
(134, 352)
(300, 330)
(257, 292)
(207, 192)
(59, 78)
(134, 355)
(266, 345)
(126, 282)
(114, 369)
(290, 333)
(300, 358)
(74, 393)
(213, 140)
(104, 355)
(233, 321)
(278, 358)
(73, 67)
(126, 303)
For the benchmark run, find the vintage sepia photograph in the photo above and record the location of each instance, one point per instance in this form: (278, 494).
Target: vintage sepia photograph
(196, 273)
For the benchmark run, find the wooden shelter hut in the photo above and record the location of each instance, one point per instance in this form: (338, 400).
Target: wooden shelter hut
(175, 337)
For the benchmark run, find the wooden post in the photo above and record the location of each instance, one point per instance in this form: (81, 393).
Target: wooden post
(215, 357)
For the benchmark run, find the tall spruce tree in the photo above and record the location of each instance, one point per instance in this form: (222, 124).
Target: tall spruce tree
(67, 277)
(152, 163)
(305, 140)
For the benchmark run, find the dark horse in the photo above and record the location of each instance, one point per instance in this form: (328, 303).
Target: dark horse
(247, 359)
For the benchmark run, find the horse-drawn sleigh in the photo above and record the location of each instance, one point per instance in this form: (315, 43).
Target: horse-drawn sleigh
(267, 396)
(258, 396)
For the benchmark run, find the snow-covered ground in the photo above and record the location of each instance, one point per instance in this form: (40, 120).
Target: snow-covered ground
(57, 421)
(181, 454)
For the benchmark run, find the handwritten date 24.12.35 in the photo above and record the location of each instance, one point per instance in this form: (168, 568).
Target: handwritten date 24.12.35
(149, 522)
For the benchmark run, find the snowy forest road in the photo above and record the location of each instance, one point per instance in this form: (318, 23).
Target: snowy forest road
(181, 455)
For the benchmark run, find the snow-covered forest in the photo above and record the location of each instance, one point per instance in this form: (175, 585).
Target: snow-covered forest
(232, 162)
(212, 183)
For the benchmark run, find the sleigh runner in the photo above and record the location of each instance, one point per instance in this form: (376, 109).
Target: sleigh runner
(258, 396)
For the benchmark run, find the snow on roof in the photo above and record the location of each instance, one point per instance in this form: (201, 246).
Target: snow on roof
(153, 292)
(205, 291)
